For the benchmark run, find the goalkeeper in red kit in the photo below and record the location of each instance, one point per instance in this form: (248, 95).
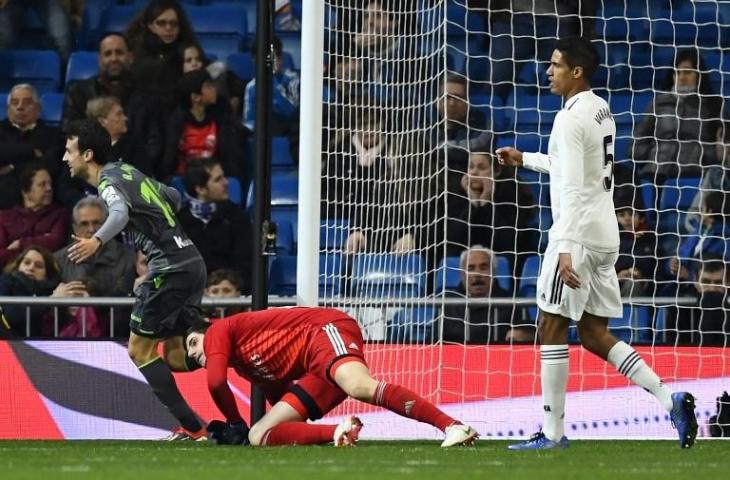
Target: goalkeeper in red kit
(321, 349)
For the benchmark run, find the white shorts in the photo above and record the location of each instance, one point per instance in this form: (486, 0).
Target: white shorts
(599, 293)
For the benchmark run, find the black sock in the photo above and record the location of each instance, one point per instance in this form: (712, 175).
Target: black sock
(163, 385)
(191, 364)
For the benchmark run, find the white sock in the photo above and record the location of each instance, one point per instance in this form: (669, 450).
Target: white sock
(633, 367)
(554, 380)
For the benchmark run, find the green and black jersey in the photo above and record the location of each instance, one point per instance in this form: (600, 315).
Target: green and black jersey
(146, 208)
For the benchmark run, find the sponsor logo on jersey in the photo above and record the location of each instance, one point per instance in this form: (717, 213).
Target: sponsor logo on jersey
(110, 195)
(182, 243)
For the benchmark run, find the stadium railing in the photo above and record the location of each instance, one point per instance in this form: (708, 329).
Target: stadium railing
(281, 301)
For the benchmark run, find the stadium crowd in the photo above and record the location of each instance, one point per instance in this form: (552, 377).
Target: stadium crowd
(415, 150)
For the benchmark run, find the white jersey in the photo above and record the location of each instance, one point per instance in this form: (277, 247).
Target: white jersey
(580, 164)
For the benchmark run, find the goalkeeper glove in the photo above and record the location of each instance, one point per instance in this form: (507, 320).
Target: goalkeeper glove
(228, 433)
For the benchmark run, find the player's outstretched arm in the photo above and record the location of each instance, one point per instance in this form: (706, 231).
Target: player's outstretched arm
(508, 156)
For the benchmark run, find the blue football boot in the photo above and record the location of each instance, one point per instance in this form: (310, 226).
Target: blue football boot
(540, 442)
(683, 418)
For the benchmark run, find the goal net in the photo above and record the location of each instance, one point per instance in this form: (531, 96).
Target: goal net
(417, 219)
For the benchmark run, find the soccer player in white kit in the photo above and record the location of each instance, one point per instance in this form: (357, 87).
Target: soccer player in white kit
(577, 278)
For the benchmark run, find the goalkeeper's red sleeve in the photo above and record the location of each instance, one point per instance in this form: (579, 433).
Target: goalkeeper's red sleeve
(217, 367)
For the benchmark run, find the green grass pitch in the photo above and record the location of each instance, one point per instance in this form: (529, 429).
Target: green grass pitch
(111, 460)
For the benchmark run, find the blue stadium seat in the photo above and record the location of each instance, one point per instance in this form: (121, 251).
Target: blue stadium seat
(284, 190)
(538, 183)
(491, 106)
(461, 20)
(88, 36)
(635, 326)
(379, 275)
(412, 325)
(291, 43)
(284, 238)
(40, 68)
(3, 106)
(286, 213)
(675, 197)
(221, 28)
(82, 65)
(283, 276)
(52, 108)
(623, 142)
(177, 183)
(234, 190)
(281, 153)
(242, 64)
(330, 274)
(620, 105)
(533, 113)
(448, 275)
(530, 142)
(678, 193)
(333, 233)
(647, 190)
(116, 18)
(527, 287)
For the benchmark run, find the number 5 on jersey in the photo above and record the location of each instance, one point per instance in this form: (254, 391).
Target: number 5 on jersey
(607, 162)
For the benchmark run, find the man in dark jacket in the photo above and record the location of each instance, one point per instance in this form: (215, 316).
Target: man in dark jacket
(220, 229)
(143, 121)
(707, 323)
(477, 323)
(111, 272)
(25, 139)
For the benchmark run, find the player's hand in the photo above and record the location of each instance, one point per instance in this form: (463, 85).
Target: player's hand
(508, 156)
(83, 249)
(228, 433)
(404, 244)
(673, 265)
(566, 272)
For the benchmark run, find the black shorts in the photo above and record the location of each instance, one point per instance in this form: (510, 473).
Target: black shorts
(167, 304)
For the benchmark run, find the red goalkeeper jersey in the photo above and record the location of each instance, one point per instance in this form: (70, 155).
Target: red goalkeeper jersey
(266, 347)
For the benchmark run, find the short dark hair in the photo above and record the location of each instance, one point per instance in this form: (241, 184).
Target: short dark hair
(717, 202)
(712, 263)
(91, 136)
(579, 52)
(222, 274)
(454, 77)
(197, 174)
(192, 82)
(198, 328)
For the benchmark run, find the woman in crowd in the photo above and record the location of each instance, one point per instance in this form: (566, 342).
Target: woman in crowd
(35, 273)
(37, 221)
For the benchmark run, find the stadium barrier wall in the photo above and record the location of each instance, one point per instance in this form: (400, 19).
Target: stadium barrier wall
(54, 389)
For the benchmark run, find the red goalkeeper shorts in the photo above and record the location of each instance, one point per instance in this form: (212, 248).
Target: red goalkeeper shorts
(315, 393)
